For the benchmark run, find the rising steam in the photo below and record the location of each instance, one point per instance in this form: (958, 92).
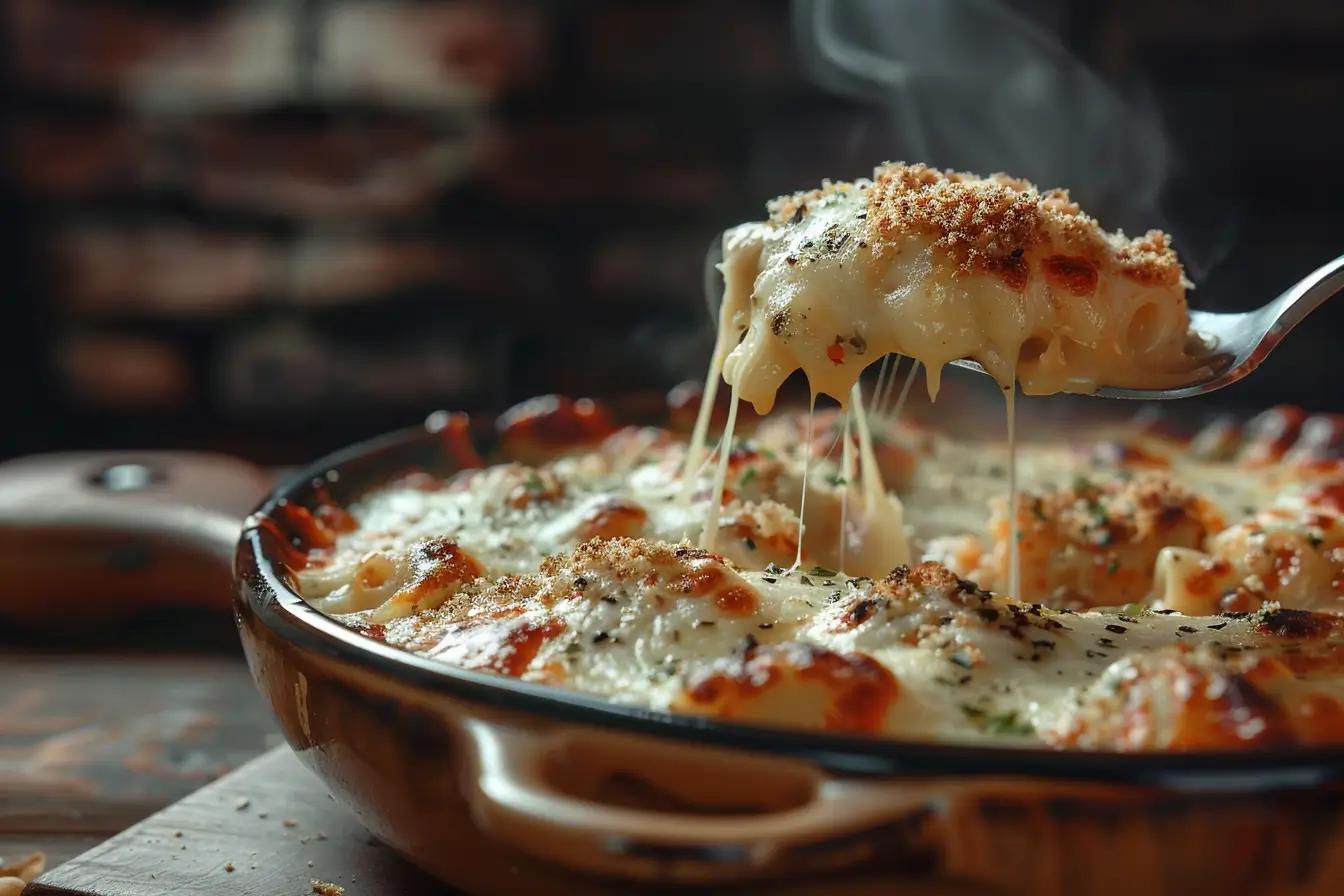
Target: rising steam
(977, 86)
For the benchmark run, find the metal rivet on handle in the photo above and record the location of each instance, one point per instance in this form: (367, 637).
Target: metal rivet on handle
(126, 477)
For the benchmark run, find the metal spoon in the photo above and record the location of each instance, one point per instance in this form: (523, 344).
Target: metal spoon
(1237, 343)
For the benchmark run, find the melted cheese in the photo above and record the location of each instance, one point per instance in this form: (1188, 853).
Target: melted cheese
(738, 274)
(919, 654)
(880, 537)
(1015, 531)
(711, 530)
(640, 616)
(942, 266)
(1291, 552)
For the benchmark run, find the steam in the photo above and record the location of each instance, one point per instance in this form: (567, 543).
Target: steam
(977, 86)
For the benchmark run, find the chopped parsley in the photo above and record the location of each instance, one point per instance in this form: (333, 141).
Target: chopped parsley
(996, 723)
(748, 475)
(836, 479)
(823, 572)
(664, 670)
(1113, 568)
(533, 483)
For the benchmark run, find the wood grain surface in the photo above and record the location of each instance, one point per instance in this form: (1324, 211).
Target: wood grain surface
(92, 744)
(268, 830)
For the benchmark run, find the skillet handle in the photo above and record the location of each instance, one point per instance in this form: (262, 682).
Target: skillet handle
(514, 799)
(87, 537)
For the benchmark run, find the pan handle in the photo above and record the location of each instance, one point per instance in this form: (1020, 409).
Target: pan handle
(514, 800)
(91, 536)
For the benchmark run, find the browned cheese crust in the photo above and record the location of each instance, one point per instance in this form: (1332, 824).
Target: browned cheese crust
(996, 224)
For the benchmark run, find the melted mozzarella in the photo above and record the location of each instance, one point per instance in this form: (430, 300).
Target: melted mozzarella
(1289, 553)
(946, 266)
(509, 518)
(941, 266)
(919, 654)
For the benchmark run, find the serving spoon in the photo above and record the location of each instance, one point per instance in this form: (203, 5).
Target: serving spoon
(1236, 343)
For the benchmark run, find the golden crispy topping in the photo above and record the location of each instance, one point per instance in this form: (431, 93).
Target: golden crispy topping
(1145, 507)
(1182, 698)
(855, 690)
(997, 224)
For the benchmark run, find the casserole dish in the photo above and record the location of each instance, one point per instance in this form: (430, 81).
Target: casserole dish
(467, 773)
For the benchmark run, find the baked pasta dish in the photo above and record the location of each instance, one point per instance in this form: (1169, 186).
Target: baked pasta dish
(838, 568)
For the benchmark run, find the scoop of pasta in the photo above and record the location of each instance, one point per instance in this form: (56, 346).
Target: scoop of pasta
(941, 266)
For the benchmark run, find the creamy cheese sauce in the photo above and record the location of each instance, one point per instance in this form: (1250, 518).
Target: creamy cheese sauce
(956, 485)
(793, 645)
(940, 267)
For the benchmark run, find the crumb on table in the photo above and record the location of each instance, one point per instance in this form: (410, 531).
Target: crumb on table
(17, 874)
(322, 888)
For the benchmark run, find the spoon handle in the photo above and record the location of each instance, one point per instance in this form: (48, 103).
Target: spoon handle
(1304, 297)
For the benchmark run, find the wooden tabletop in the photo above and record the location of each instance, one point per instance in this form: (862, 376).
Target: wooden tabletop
(270, 829)
(100, 729)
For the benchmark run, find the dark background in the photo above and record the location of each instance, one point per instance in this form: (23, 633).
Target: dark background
(273, 228)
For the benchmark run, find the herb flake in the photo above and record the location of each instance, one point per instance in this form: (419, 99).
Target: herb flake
(996, 723)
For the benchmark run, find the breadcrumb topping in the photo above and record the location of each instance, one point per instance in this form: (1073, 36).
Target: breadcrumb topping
(1140, 509)
(997, 224)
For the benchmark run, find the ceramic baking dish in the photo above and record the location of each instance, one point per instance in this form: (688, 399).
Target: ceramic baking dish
(466, 773)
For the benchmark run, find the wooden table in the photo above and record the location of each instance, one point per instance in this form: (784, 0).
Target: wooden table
(99, 729)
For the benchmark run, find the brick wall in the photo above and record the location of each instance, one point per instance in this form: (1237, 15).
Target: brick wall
(305, 220)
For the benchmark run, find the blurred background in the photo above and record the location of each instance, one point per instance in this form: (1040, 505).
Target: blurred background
(276, 227)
